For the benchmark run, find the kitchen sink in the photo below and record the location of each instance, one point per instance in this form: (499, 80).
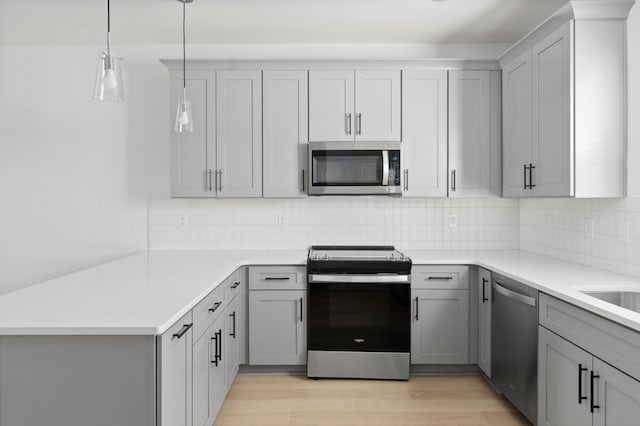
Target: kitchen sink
(625, 299)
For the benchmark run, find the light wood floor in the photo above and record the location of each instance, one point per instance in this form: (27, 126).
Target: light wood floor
(423, 400)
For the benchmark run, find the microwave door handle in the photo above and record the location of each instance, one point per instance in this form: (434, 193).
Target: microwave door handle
(385, 168)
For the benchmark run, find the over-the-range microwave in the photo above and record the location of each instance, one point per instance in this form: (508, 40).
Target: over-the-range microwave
(346, 168)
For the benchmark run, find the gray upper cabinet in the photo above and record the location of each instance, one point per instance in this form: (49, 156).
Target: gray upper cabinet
(484, 320)
(424, 133)
(285, 133)
(239, 133)
(174, 391)
(469, 134)
(193, 156)
(348, 105)
(564, 124)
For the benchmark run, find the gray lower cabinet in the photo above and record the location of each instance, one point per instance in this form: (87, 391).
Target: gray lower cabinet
(233, 337)
(277, 327)
(577, 388)
(440, 315)
(484, 320)
(218, 370)
(202, 361)
(174, 390)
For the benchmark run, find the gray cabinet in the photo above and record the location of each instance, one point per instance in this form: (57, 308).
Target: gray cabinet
(569, 375)
(348, 105)
(193, 156)
(440, 315)
(588, 368)
(285, 133)
(563, 381)
(174, 391)
(277, 334)
(469, 134)
(239, 133)
(218, 373)
(484, 320)
(233, 338)
(564, 124)
(202, 356)
(277, 315)
(424, 133)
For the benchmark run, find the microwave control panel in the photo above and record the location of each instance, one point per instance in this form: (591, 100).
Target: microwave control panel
(394, 168)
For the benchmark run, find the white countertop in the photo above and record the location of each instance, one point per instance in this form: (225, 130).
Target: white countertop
(146, 293)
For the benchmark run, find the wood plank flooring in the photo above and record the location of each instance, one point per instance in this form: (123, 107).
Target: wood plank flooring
(423, 400)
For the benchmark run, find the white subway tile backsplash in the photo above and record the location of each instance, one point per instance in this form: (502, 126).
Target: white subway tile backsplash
(298, 223)
(602, 233)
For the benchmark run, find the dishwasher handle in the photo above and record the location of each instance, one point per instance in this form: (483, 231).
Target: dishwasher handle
(512, 294)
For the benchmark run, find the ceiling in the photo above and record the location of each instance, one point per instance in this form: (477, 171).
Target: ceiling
(158, 22)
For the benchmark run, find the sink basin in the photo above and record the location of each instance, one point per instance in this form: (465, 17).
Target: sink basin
(625, 299)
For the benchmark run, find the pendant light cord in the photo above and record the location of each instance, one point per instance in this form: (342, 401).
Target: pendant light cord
(184, 50)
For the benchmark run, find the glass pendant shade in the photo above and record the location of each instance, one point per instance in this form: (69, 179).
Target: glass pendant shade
(184, 117)
(109, 85)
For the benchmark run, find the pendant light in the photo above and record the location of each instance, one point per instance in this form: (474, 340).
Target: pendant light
(184, 117)
(109, 86)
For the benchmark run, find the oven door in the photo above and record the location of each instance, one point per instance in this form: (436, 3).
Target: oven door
(359, 316)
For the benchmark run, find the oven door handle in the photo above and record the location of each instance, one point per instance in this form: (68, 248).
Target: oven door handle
(357, 279)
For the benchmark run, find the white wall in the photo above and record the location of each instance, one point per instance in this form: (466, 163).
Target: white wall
(557, 226)
(65, 174)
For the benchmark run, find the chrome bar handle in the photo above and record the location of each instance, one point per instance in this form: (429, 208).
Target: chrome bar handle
(209, 180)
(385, 168)
(219, 179)
(358, 124)
(453, 181)
(348, 120)
(406, 179)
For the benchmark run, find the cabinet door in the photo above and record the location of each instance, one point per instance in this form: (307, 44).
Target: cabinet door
(424, 133)
(193, 156)
(552, 117)
(175, 374)
(277, 329)
(232, 338)
(484, 321)
(563, 381)
(331, 106)
(516, 125)
(440, 327)
(618, 396)
(239, 133)
(218, 371)
(285, 133)
(377, 105)
(202, 355)
(469, 134)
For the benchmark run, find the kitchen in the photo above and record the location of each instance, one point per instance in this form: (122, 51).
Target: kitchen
(69, 211)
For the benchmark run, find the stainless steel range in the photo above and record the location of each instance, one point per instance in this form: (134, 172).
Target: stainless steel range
(359, 312)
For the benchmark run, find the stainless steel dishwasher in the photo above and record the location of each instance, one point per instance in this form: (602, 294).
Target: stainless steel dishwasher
(514, 344)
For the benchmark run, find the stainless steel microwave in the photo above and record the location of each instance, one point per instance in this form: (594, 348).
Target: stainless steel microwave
(344, 168)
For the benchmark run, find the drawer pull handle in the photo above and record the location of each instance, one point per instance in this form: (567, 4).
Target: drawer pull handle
(440, 278)
(235, 284)
(233, 333)
(277, 278)
(484, 290)
(182, 331)
(215, 307)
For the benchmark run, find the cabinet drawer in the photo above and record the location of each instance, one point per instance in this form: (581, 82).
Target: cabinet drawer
(208, 309)
(236, 284)
(440, 277)
(278, 278)
(609, 341)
